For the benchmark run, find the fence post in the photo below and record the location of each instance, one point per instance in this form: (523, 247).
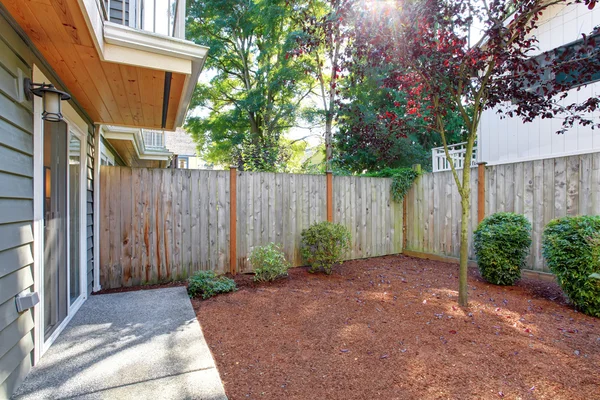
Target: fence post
(233, 220)
(329, 196)
(480, 192)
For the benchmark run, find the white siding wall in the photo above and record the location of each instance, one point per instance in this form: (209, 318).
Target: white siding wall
(510, 140)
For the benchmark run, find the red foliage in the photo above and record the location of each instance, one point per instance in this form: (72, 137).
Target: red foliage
(439, 70)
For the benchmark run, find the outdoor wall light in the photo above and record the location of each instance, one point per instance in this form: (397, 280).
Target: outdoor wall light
(51, 96)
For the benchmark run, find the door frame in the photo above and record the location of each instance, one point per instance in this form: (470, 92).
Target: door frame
(40, 344)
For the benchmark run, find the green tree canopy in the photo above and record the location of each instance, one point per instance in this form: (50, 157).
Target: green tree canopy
(257, 89)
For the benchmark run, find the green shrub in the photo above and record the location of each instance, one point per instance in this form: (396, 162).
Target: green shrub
(402, 180)
(208, 284)
(501, 244)
(269, 263)
(571, 248)
(324, 244)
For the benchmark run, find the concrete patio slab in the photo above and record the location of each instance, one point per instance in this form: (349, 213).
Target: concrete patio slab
(134, 345)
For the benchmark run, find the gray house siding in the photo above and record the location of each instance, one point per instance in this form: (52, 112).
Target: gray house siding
(17, 57)
(16, 209)
(116, 11)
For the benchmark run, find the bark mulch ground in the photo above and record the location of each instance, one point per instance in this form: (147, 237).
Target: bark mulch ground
(390, 328)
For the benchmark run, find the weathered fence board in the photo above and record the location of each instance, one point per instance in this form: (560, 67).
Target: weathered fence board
(541, 190)
(435, 214)
(160, 224)
(365, 207)
(163, 224)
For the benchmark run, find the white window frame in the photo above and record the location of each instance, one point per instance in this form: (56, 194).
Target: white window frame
(40, 344)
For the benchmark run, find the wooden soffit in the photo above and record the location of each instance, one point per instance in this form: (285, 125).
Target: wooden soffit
(111, 80)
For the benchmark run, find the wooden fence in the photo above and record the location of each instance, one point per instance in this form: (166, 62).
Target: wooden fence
(163, 224)
(541, 190)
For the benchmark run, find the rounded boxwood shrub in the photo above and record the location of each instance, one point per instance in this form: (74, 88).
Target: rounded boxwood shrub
(323, 245)
(502, 241)
(571, 248)
(269, 263)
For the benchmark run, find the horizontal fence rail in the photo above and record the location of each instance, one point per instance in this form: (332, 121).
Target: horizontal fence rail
(164, 224)
(541, 190)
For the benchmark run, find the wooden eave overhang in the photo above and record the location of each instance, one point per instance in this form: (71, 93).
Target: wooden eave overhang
(119, 75)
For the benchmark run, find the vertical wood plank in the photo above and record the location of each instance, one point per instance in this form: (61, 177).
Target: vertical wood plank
(278, 205)
(149, 233)
(456, 217)
(481, 192)
(167, 224)
(157, 217)
(241, 216)
(448, 214)
(271, 182)
(104, 225)
(329, 182)
(425, 178)
(177, 226)
(519, 188)
(212, 238)
(595, 210)
(585, 185)
(560, 187)
(509, 187)
(538, 213)
(573, 185)
(431, 213)
(298, 220)
(528, 193)
(194, 221)
(233, 220)
(125, 202)
(187, 224)
(491, 189)
(439, 187)
(222, 178)
(500, 189)
(115, 227)
(360, 218)
(204, 221)
(548, 178)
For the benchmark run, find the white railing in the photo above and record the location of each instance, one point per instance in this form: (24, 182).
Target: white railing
(165, 17)
(457, 154)
(153, 140)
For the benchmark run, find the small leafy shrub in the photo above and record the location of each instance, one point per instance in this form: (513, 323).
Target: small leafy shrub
(269, 263)
(571, 248)
(501, 244)
(323, 245)
(208, 284)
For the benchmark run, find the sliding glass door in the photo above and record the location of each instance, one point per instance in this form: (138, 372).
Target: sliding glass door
(63, 191)
(55, 226)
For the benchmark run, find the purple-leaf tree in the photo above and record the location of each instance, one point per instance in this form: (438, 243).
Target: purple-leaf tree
(439, 69)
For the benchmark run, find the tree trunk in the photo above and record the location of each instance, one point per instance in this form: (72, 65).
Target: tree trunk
(464, 236)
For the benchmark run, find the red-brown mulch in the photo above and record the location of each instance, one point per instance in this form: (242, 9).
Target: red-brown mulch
(390, 328)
